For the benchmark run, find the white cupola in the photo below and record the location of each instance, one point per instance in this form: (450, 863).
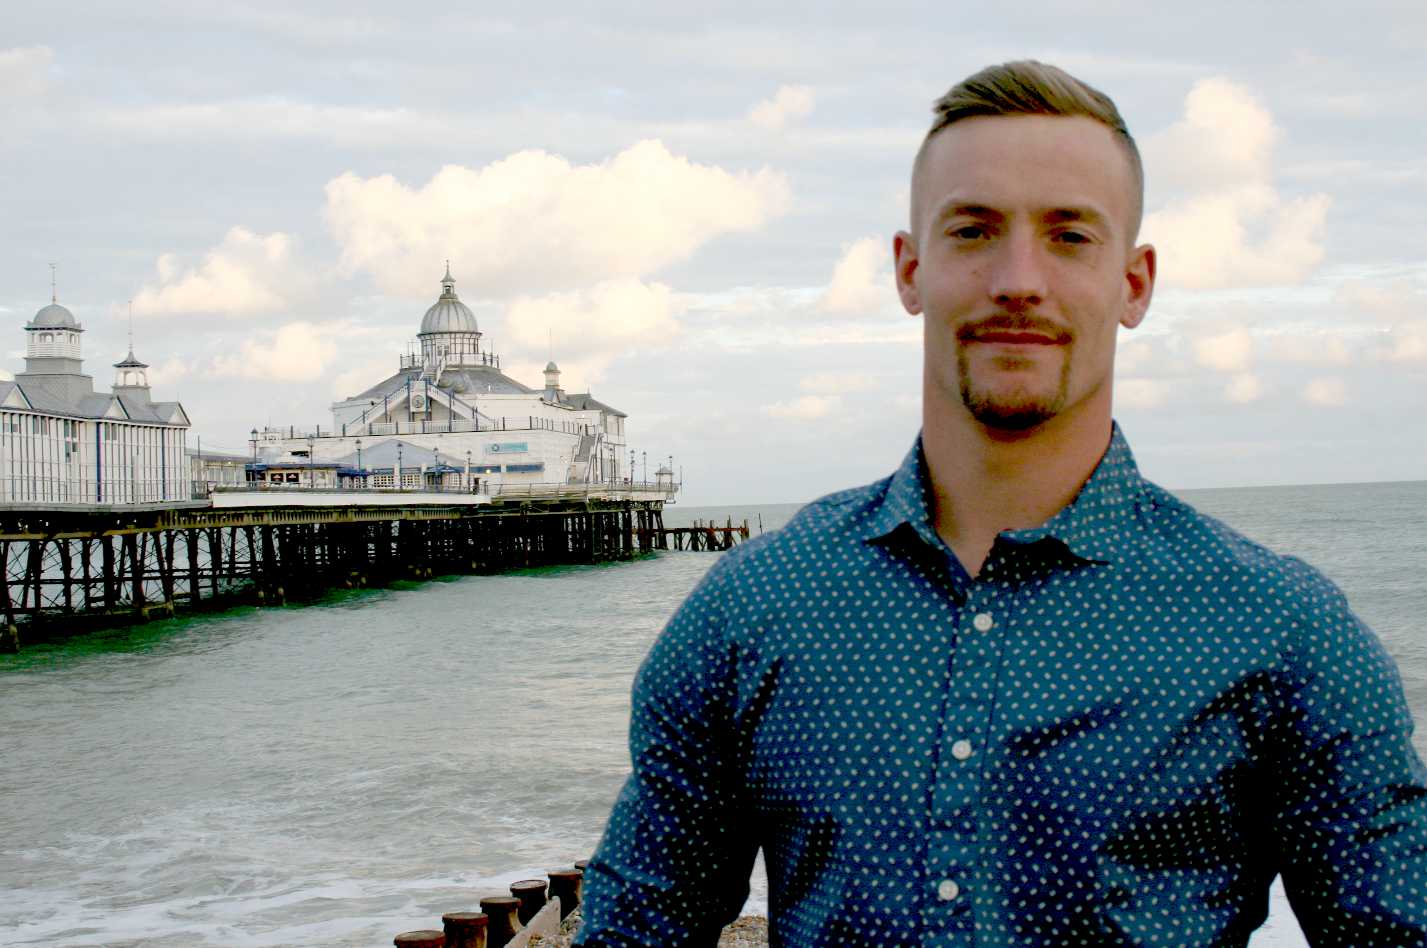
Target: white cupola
(449, 335)
(131, 373)
(52, 344)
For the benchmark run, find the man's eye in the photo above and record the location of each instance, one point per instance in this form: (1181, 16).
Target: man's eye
(1072, 237)
(967, 232)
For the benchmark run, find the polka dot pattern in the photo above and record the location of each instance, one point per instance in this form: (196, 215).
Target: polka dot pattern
(1118, 733)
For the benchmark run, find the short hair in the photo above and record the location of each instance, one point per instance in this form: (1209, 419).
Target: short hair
(1028, 87)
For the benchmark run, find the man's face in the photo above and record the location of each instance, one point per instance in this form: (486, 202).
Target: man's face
(1021, 264)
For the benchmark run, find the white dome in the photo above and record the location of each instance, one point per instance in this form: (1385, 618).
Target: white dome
(449, 314)
(55, 316)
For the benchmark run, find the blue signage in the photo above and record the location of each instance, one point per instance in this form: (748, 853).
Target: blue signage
(508, 447)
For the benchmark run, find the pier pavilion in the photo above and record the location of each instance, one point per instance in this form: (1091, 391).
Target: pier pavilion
(63, 442)
(457, 413)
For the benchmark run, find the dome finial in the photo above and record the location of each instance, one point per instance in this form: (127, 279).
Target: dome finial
(54, 293)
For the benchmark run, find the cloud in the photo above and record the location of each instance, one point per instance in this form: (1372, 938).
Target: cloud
(169, 372)
(1327, 391)
(247, 273)
(1226, 351)
(1141, 393)
(589, 327)
(534, 219)
(1228, 226)
(805, 408)
(297, 352)
(828, 383)
(1309, 347)
(861, 281)
(24, 71)
(788, 104)
(1243, 389)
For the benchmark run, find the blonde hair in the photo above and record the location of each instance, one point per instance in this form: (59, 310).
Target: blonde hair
(1028, 87)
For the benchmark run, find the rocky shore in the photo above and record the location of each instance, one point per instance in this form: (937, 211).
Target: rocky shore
(750, 931)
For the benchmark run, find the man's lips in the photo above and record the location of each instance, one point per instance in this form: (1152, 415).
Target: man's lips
(1011, 338)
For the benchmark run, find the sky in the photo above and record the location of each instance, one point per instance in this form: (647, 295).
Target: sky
(692, 213)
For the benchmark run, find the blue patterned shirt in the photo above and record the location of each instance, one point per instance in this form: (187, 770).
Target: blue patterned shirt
(1116, 734)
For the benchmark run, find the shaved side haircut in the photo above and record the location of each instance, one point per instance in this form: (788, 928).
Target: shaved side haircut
(1027, 87)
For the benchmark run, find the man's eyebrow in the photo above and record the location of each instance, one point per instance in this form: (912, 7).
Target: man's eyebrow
(1062, 215)
(952, 208)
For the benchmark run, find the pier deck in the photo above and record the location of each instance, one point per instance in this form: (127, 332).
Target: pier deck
(68, 569)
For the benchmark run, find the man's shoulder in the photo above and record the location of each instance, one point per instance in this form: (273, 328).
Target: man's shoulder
(1192, 541)
(833, 521)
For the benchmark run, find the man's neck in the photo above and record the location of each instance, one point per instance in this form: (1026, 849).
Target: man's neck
(986, 481)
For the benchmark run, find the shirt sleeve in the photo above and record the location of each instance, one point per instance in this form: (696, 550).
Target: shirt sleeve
(673, 866)
(1352, 810)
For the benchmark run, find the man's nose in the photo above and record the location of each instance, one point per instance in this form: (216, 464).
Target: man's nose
(1017, 277)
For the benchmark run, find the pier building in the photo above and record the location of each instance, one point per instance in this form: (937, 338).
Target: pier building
(64, 442)
(458, 420)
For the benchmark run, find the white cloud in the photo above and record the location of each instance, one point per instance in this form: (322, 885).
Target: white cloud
(247, 273)
(1141, 393)
(24, 71)
(533, 219)
(829, 383)
(861, 281)
(169, 372)
(1407, 344)
(588, 328)
(1327, 391)
(1243, 389)
(1229, 351)
(788, 104)
(1309, 347)
(805, 408)
(1229, 226)
(297, 352)
(1225, 138)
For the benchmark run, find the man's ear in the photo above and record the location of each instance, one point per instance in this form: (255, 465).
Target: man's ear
(904, 257)
(1139, 278)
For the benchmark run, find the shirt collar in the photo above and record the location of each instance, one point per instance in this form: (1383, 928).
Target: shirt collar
(1093, 526)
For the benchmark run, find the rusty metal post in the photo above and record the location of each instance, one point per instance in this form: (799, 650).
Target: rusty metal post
(504, 922)
(425, 938)
(531, 893)
(465, 929)
(565, 883)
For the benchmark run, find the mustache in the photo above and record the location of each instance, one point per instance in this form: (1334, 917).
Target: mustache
(1014, 322)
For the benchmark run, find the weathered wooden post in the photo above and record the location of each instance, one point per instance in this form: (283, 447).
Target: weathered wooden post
(504, 921)
(565, 885)
(531, 893)
(425, 938)
(465, 929)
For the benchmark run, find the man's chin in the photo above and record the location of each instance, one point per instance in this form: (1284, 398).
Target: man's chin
(1011, 419)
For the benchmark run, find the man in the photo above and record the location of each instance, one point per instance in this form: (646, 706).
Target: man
(1015, 694)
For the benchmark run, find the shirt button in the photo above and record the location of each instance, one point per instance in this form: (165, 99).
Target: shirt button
(948, 890)
(961, 749)
(983, 622)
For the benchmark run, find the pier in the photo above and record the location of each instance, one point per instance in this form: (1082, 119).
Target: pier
(71, 569)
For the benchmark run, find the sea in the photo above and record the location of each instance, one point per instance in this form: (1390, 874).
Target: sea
(336, 773)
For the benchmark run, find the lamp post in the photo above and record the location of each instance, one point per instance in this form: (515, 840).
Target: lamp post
(359, 463)
(311, 473)
(398, 465)
(631, 466)
(645, 478)
(468, 470)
